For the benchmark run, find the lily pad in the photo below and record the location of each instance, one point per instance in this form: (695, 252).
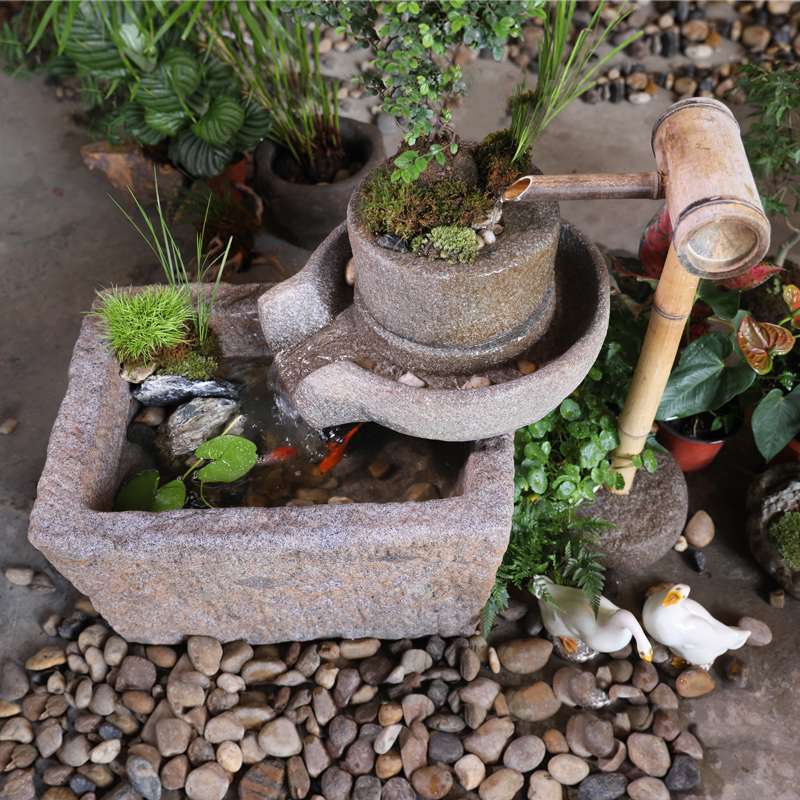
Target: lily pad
(230, 456)
(143, 494)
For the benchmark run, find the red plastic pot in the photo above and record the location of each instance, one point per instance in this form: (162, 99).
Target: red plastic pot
(691, 454)
(235, 173)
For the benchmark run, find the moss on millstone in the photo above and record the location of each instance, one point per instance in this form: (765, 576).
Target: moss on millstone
(192, 360)
(496, 168)
(456, 245)
(785, 535)
(410, 209)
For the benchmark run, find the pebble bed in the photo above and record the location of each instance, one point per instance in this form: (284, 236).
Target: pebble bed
(93, 716)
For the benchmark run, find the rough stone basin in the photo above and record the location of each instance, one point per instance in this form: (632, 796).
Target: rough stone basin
(314, 327)
(260, 574)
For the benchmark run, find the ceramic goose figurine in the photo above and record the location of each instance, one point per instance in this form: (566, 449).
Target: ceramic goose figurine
(687, 628)
(610, 632)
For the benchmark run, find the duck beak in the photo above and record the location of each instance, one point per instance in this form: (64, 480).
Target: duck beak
(673, 596)
(648, 656)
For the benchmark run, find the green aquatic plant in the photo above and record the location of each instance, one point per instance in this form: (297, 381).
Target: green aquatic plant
(223, 459)
(138, 325)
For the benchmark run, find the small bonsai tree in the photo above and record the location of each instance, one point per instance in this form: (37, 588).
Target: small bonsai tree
(785, 535)
(773, 141)
(413, 77)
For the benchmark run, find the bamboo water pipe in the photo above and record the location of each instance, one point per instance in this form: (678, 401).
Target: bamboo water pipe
(719, 231)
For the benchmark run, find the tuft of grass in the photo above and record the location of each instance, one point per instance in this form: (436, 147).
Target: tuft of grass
(138, 325)
(561, 81)
(166, 249)
(785, 535)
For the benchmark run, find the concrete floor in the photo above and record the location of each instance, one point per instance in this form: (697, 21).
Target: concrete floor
(61, 237)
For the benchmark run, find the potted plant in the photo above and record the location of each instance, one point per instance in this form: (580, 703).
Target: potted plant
(162, 89)
(312, 159)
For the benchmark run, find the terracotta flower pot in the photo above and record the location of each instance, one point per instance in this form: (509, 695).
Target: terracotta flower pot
(307, 213)
(235, 173)
(789, 455)
(691, 454)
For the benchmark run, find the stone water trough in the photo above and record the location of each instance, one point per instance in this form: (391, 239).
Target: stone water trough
(259, 574)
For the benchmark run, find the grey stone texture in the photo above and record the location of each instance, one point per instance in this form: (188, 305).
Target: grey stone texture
(649, 520)
(263, 575)
(312, 326)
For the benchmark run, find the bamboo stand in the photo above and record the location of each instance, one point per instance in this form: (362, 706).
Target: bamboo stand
(672, 305)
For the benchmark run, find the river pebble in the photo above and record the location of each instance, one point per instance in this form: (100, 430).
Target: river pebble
(567, 769)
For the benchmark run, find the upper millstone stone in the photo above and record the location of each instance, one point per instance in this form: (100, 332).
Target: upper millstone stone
(167, 390)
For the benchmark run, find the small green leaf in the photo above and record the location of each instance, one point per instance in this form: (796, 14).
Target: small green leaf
(170, 497)
(570, 409)
(231, 457)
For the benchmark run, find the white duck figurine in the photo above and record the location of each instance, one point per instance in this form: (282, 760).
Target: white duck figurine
(609, 632)
(687, 628)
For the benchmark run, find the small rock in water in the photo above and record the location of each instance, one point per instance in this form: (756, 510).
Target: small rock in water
(167, 390)
(151, 415)
(418, 492)
(737, 671)
(410, 379)
(392, 242)
(193, 423)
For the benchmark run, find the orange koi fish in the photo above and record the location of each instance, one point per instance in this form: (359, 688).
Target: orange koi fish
(277, 455)
(337, 450)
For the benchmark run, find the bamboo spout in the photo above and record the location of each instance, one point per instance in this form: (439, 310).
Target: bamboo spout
(634, 185)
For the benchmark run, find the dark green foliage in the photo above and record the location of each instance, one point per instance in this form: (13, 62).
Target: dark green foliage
(194, 366)
(456, 245)
(785, 535)
(549, 539)
(560, 461)
(497, 169)
(408, 209)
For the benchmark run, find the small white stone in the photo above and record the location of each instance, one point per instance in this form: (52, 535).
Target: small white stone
(410, 379)
(470, 771)
(350, 272)
(229, 756)
(488, 236)
(699, 52)
(681, 544)
(105, 752)
(231, 683)
(494, 661)
(639, 98)
(479, 243)
(20, 576)
(477, 382)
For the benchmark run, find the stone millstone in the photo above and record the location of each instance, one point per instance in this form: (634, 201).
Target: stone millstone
(649, 520)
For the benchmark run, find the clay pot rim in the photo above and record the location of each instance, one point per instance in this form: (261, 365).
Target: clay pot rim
(367, 136)
(694, 440)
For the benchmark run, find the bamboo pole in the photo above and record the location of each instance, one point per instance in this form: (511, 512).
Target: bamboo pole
(672, 305)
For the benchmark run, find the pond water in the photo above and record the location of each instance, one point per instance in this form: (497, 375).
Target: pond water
(304, 466)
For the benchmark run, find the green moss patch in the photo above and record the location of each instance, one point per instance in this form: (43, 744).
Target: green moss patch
(785, 535)
(197, 362)
(410, 209)
(496, 168)
(453, 244)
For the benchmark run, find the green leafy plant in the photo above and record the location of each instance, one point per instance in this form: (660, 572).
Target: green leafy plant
(148, 57)
(229, 458)
(724, 374)
(773, 141)
(284, 79)
(138, 325)
(785, 535)
(559, 462)
(562, 79)
(411, 73)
